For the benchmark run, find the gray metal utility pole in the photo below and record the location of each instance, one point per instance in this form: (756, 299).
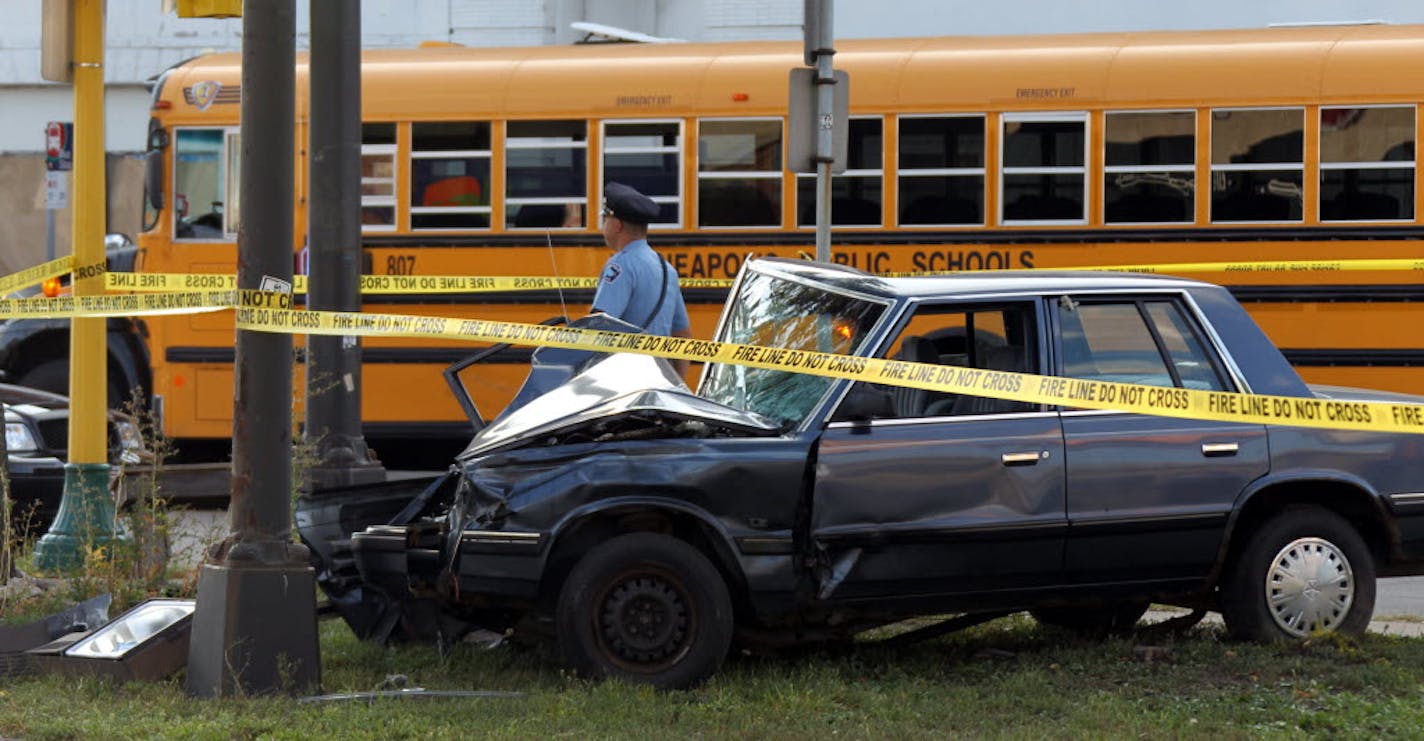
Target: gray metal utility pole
(334, 247)
(255, 627)
(820, 42)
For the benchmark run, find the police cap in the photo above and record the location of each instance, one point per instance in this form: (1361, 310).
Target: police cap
(628, 204)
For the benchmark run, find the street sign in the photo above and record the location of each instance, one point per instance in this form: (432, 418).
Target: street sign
(59, 146)
(804, 121)
(56, 190)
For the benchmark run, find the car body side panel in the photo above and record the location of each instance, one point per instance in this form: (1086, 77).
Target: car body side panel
(1149, 497)
(930, 506)
(1385, 465)
(1264, 368)
(748, 490)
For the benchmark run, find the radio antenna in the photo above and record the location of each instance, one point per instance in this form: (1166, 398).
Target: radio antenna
(554, 265)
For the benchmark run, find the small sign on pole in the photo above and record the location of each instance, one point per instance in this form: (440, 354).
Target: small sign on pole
(56, 190)
(59, 146)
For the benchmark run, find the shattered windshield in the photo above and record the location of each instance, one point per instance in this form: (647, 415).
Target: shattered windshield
(776, 312)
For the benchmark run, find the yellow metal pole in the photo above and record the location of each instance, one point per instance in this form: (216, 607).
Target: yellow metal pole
(86, 513)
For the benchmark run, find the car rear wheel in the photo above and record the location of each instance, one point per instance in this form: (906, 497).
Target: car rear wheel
(1305, 571)
(645, 608)
(1111, 618)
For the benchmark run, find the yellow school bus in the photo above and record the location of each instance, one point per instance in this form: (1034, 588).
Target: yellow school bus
(964, 153)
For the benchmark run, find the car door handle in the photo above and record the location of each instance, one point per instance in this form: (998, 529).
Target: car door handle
(1214, 450)
(1022, 459)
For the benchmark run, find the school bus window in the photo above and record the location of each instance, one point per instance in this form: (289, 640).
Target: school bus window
(941, 161)
(1043, 175)
(545, 174)
(231, 209)
(647, 155)
(1367, 163)
(857, 193)
(1257, 164)
(449, 175)
(378, 177)
(1148, 167)
(199, 184)
(739, 172)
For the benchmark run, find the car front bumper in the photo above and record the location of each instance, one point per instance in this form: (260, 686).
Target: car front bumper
(36, 488)
(491, 567)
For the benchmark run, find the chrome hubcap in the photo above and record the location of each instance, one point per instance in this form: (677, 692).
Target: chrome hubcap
(1309, 587)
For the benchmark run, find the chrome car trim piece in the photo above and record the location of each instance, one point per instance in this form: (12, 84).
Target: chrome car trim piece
(762, 545)
(1219, 449)
(498, 536)
(1022, 459)
(1408, 497)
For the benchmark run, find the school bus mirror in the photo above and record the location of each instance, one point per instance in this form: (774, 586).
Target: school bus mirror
(153, 178)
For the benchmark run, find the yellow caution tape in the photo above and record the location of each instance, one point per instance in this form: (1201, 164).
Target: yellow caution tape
(1069, 392)
(68, 307)
(1277, 266)
(272, 312)
(404, 284)
(36, 274)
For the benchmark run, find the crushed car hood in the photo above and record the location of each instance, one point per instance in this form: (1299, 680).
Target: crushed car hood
(617, 386)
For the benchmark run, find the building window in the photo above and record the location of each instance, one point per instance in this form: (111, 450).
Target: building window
(739, 172)
(1257, 164)
(857, 193)
(546, 174)
(941, 163)
(1367, 163)
(449, 175)
(1044, 176)
(378, 177)
(647, 155)
(1149, 167)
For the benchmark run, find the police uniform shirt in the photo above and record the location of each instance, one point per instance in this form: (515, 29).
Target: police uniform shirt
(629, 290)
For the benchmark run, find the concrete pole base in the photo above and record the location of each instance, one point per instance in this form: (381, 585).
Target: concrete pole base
(254, 632)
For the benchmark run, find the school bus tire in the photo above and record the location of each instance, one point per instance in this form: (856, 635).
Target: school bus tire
(53, 376)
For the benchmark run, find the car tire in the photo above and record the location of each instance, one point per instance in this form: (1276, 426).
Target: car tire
(645, 608)
(53, 376)
(1305, 570)
(1118, 617)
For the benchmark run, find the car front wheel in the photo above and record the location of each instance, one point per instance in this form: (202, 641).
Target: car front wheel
(645, 608)
(1306, 570)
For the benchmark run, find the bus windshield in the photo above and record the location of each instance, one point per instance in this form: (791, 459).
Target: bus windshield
(775, 312)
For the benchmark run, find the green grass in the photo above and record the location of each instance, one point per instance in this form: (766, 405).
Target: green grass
(1011, 678)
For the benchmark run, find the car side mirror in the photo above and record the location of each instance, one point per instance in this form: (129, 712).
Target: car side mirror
(865, 402)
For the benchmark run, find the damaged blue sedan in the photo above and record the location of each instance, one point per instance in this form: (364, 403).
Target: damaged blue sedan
(646, 528)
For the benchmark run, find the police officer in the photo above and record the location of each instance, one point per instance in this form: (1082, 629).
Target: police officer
(637, 285)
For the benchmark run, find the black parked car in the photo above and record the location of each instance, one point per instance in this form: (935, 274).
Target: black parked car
(37, 440)
(646, 526)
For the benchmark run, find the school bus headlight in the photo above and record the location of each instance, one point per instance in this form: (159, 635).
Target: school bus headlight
(50, 287)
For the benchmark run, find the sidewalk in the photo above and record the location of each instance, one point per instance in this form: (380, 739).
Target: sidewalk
(1383, 625)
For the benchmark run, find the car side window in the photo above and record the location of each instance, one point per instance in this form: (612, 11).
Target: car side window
(998, 337)
(1149, 342)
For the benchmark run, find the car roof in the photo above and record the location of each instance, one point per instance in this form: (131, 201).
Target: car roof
(970, 283)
